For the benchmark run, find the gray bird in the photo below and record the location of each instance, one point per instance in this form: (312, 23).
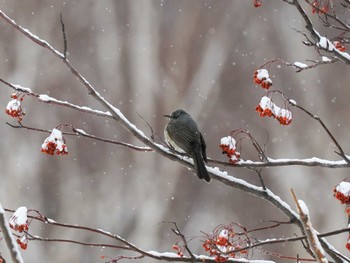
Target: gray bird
(183, 135)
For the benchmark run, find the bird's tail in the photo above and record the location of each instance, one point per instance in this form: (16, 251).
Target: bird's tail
(199, 166)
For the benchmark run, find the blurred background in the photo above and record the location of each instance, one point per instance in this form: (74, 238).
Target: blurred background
(148, 58)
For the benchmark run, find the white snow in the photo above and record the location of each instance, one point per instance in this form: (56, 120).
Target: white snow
(293, 102)
(344, 188)
(163, 254)
(230, 141)
(13, 105)
(303, 207)
(44, 97)
(43, 42)
(311, 233)
(81, 131)
(326, 44)
(22, 89)
(300, 65)
(263, 74)
(223, 233)
(204, 257)
(266, 103)
(326, 59)
(19, 217)
(50, 221)
(56, 138)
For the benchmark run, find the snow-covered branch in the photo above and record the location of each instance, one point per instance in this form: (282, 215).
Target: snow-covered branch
(311, 234)
(320, 41)
(9, 238)
(266, 107)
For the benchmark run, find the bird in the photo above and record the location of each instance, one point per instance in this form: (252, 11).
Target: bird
(182, 134)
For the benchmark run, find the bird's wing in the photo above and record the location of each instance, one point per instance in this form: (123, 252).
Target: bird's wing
(203, 148)
(183, 138)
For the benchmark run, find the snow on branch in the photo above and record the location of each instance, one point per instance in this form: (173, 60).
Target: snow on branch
(9, 239)
(117, 115)
(311, 233)
(125, 245)
(50, 100)
(319, 40)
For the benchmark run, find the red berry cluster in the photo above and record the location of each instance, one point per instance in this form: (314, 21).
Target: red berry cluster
(342, 192)
(348, 243)
(261, 77)
(23, 242)
(224, 243)
(339, 45)
(317, 8)
(55, 143)
(14, 107)
(228, 147)
(19, 222)
(267, 108)
(257, 3)
(264, 112)
(51, 147)
(284, 120)
(179, 249)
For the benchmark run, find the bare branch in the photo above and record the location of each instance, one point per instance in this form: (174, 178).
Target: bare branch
(64, 37)
(341, 151)
(177, 232)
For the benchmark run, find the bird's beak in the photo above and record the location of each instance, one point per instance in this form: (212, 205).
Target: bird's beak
(168, 116)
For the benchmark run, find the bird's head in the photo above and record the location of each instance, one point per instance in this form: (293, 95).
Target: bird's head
(176, 114)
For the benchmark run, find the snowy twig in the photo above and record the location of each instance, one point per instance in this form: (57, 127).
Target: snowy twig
(259, 243)
(9, 239)
(177, 232)
(79, 132)
(117, 115)
(320, 41)
(344, 26)
(61, 240)
(309, 162)
(311, 234)
(161, 256)
(50, 100)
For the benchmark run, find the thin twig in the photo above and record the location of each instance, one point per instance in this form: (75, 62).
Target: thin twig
(64, 37)
(317, 118)
(50, 100)
(79, 132)
(177, 232)
(150, 127)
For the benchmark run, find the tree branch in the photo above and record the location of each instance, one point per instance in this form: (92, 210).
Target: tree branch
(218, 175)
(9, 239)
